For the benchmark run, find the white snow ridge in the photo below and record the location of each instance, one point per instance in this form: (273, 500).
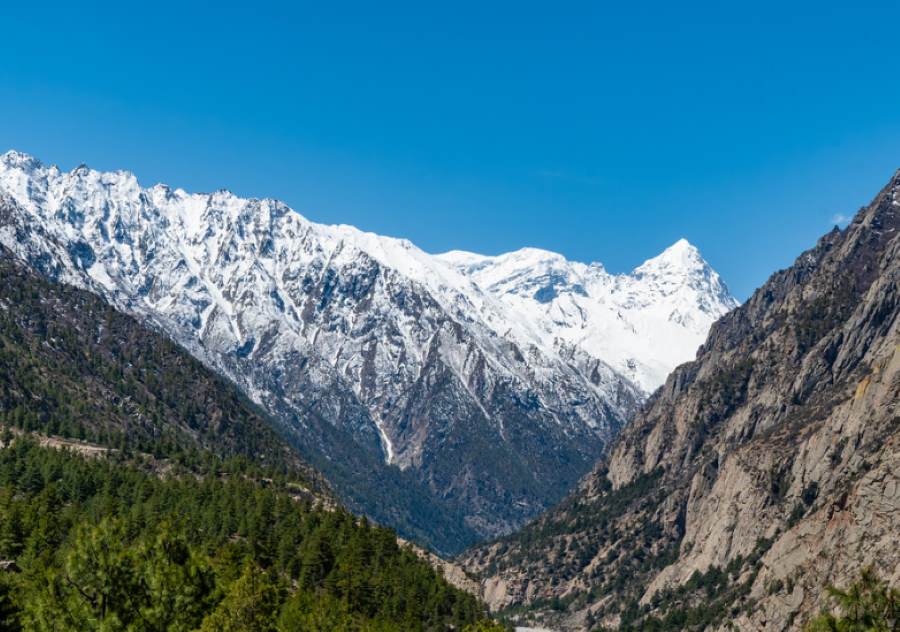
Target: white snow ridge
(643, 324)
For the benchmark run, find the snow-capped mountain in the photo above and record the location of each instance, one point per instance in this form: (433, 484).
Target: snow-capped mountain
(491, 383)
(643, 324)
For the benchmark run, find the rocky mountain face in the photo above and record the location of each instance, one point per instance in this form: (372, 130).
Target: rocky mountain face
(760, 472)
(417, 384)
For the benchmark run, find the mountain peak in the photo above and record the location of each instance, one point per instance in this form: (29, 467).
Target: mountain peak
(18, 159)
(682, 245)
(681, 250)
(530, 252)
(606, 316)
(680, 257)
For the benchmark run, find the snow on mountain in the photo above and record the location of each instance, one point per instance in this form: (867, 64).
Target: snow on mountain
(494, 381)
(643, 324)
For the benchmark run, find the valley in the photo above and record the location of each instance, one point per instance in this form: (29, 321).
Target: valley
(576, 450)
(449, 317)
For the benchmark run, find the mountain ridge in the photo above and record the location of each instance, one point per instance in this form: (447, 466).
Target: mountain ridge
(370, 352)
(583, 305)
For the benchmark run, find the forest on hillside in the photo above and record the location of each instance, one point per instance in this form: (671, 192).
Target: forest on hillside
(95, 544)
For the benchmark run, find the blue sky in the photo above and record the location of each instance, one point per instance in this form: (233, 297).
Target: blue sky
(599, 130)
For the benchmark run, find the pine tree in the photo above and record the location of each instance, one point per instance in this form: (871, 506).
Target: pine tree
(868, 605)
(304, 611)
(251, 603)
(316, 560)
(9, 612)
(95, 590)
(179, 584)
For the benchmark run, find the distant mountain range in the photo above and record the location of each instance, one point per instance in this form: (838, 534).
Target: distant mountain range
(451, 396)
(642, 324)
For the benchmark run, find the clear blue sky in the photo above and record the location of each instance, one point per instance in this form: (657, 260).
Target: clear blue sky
(604, 131)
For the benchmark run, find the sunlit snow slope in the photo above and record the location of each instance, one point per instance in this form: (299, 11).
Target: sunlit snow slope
(643, 324)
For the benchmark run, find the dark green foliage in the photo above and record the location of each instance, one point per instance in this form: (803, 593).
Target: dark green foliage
(779, 482)
(9, 611)
(810, 493)
(868, 605)
(807, 498)
(576, 514)
(824, 312)
(106, 545)
(251, 603)
(158, 583)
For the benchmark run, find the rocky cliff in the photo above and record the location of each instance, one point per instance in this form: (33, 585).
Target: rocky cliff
(757, 474)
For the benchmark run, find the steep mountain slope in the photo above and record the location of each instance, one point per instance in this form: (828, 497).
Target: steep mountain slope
(71, 365)
(759, 472)
(369, 352)
(643, 324)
